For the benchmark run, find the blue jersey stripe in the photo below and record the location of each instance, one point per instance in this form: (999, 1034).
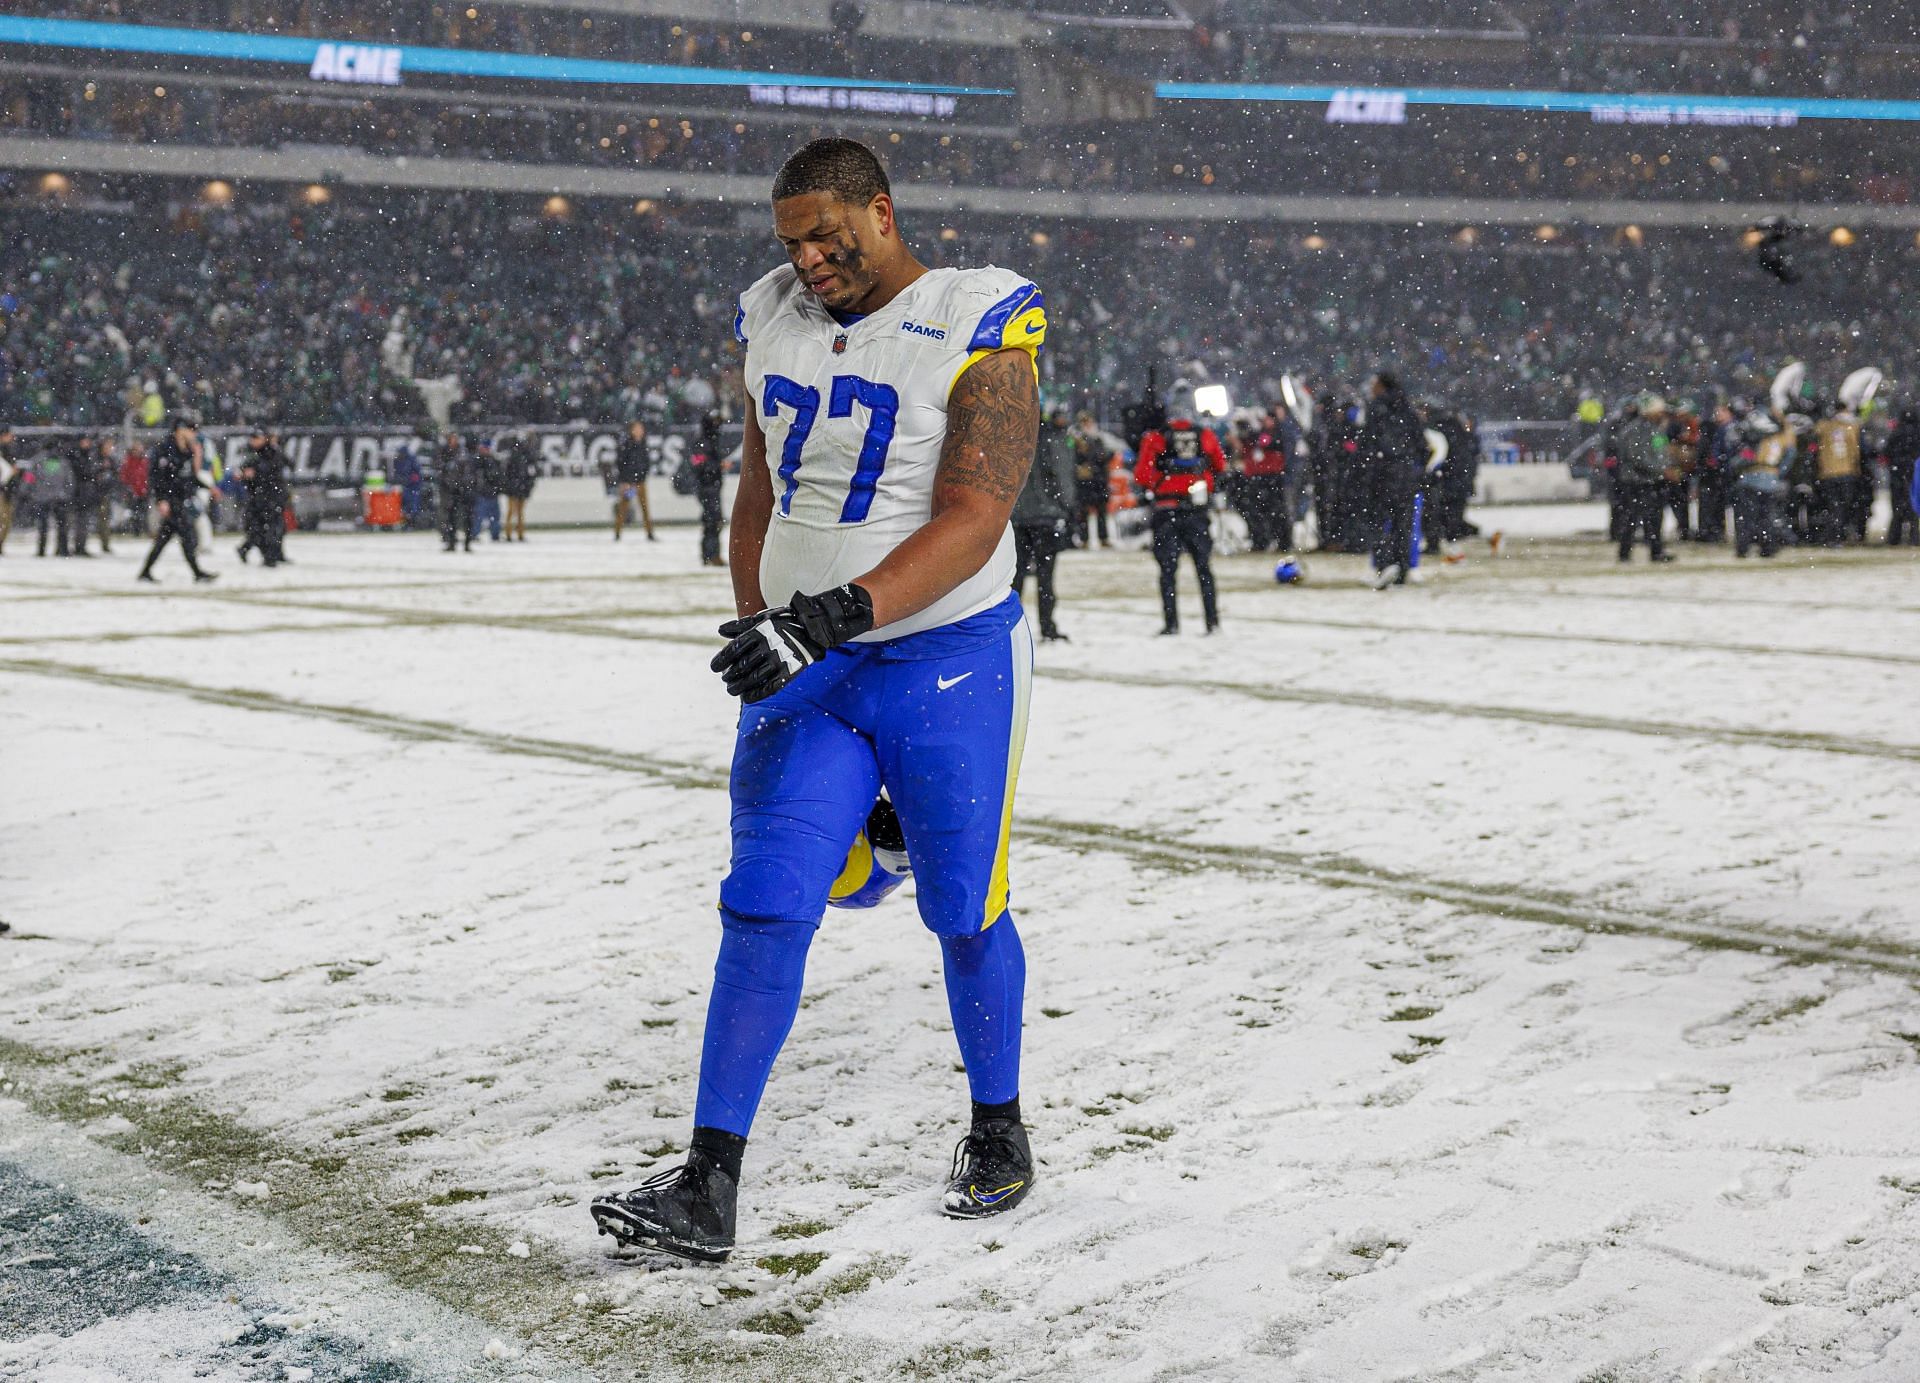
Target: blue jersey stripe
(987, 336)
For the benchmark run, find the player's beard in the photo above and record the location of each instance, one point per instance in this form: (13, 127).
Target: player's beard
(849, 263)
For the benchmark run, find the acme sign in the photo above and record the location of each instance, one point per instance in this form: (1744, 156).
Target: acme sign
(1367, 108)
(353, 62)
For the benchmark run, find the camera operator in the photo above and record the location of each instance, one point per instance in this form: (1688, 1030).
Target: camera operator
(1041, 516)
(175, 479)
(263, 471)
(1180, 463)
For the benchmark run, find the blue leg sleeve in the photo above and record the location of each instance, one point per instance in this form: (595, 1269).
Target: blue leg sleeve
(986, 984)
(756, 993)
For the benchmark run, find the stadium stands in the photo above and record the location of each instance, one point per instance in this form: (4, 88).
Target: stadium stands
(267, 309)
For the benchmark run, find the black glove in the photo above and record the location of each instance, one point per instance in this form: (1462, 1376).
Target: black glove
(766, 651)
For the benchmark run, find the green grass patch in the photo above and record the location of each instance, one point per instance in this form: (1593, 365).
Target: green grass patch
(800, 1229)
(1412, 1013)
(458, 1195)
(793, 1264)
(774, 1323)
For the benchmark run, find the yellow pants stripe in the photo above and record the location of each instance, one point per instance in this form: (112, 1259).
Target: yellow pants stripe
(1021, 637)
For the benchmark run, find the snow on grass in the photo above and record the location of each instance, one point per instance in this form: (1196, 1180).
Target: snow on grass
(1287, 1129)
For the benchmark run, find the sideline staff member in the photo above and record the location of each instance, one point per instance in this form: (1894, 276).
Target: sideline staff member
(173, 475)
(1178, 467)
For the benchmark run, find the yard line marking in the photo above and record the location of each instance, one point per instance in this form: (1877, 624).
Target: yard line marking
(1454, 631)
(1801, 740)
(1083, 837)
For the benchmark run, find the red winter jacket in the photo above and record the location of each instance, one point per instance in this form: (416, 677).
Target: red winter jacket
(1173, 459)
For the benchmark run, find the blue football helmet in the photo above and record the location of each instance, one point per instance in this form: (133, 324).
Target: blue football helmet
(877, 863)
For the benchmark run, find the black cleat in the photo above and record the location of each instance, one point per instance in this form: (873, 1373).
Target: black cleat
(203, 576)
(992, 1171)
(685, 1211)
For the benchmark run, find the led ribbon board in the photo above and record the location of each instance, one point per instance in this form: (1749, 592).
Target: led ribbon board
(1605, 107)
(306, 53)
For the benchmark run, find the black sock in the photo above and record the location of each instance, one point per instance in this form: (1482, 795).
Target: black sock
(724, 1150)
(1008, 1109)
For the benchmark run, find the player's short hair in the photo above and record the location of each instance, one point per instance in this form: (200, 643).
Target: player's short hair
(844, 167)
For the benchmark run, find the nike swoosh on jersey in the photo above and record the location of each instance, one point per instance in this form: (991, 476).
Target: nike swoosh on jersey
(944, 682)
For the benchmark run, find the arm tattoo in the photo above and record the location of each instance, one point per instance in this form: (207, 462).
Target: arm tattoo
(993, 425)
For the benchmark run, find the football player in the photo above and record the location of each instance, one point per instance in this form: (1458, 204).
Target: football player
(894, 412)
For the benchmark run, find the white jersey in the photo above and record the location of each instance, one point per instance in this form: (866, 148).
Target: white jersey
(855, 417)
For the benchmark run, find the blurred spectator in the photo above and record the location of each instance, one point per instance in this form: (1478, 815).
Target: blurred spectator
(9, 476)
(519, 470)
(176, 478)
(264, 482)
(632, 460)
(709, 465)
(1395, 450)
(456, 477)
(486, 490)
(1041, 513)
(1639, 441)
(1903, 448)
(1092, 481)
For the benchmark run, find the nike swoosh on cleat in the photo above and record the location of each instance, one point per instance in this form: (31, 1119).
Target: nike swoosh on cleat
(944, 682)
(993, 1197)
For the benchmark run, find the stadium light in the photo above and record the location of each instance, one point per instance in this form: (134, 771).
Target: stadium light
(1212, 401)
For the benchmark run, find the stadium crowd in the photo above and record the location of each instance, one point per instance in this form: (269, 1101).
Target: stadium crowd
(266, 310)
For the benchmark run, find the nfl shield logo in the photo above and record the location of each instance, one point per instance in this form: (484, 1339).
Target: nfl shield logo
(840, 344)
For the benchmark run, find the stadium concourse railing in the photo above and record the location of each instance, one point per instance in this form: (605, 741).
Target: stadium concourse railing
(335, 468)
(345, 167)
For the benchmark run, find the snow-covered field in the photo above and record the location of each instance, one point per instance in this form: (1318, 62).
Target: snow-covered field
(1508, 979)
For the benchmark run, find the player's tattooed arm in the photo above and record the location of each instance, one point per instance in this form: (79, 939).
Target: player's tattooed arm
(993, 424)
(752, 512)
